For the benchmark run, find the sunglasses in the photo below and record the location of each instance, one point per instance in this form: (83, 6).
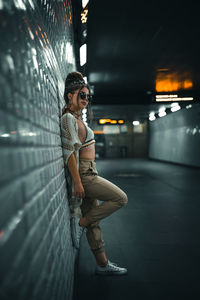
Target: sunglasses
(83, 96)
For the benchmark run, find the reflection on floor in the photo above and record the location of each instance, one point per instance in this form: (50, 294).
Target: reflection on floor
(156, 236)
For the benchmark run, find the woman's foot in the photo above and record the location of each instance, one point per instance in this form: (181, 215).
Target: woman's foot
(110, 269)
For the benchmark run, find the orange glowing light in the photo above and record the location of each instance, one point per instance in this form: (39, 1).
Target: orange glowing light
(98, 132)
(169, 82)
(103, 121)
(110, 121)
(163, 70)
(187, 84)
(84, 16)
(166, 86)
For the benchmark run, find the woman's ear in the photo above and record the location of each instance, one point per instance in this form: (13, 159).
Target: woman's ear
(69, 96)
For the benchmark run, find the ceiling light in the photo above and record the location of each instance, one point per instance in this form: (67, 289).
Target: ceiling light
(175, 107)
(85, 78)
(136, 122)
(84, 3)
(83, 54)
(84, 16)
(162, 112)
(152, 116)
(174, 104)
(166, 96)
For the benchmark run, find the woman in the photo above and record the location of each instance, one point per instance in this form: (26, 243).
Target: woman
(84, 184)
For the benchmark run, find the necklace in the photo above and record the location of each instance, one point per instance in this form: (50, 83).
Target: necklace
(75, 113)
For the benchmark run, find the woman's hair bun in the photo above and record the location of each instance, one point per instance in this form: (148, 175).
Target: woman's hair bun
(72, 77)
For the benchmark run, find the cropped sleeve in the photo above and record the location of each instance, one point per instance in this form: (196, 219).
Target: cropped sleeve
(69, 136)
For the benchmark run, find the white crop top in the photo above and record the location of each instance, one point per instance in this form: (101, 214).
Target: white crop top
(89, 138)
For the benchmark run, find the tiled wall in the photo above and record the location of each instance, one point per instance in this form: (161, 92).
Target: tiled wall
(176, 137)
(36, 53)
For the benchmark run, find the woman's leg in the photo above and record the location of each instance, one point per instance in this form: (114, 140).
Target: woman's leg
(94, 234)
(112, 197)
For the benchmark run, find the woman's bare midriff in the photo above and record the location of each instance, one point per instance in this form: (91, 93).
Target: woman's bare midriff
(88, 152)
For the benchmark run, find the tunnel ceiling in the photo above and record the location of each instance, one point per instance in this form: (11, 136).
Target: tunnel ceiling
(137, 49)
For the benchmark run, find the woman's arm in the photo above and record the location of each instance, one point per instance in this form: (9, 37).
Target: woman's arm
(78, 187)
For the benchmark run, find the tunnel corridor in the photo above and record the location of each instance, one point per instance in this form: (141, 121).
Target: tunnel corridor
(134, 54)
(156, 236)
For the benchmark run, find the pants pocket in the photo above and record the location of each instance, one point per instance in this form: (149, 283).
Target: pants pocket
(87, 179)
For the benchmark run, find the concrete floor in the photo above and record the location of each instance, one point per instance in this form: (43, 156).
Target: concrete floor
(156, 236)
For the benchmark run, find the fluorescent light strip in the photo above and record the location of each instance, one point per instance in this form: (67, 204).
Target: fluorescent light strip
(175, 99)
(84, 3)
(85, 78)
(166, 96)
(83, 54)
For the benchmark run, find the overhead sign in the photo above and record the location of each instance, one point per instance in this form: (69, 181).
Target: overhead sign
(110, 122)
(171, 98)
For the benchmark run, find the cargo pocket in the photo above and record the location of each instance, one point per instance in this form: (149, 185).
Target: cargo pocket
(93, 168)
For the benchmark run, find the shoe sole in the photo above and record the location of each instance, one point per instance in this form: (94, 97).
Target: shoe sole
(110, 273)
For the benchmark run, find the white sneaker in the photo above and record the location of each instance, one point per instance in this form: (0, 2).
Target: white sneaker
(110, 269)
(76, 231)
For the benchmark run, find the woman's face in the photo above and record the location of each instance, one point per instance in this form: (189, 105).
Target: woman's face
(79, 99)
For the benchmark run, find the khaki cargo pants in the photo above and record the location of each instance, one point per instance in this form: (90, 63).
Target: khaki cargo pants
(97, 188)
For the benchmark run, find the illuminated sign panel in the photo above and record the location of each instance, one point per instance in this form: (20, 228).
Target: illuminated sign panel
(169, 81)
(110, 122)
(171, 98)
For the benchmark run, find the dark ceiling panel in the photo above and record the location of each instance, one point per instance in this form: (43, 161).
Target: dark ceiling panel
(134, 46)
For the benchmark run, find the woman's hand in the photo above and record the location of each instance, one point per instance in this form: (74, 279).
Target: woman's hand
(79, 190)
